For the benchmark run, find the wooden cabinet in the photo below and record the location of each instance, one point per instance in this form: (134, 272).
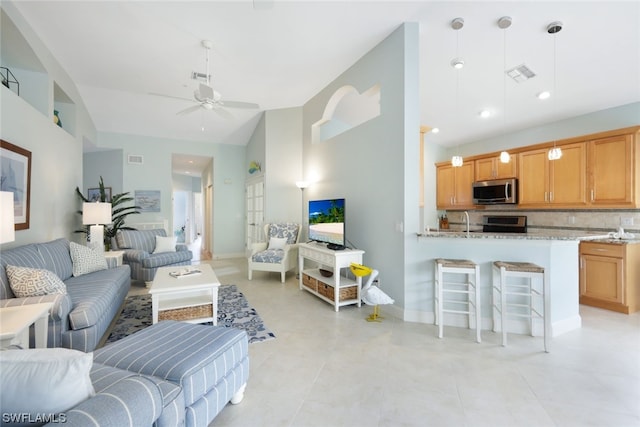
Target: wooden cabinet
(557, 183)
(613, 164)
(492, 168)
(454, 186)
(610, 276)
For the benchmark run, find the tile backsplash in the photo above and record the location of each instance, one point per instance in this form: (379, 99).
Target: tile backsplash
(587, 220)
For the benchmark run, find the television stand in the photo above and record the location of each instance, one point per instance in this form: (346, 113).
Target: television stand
(337, 290)
(335, 247)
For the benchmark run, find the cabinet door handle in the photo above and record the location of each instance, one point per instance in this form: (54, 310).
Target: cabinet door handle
(551, 196)
(592, 194)
(545, 196)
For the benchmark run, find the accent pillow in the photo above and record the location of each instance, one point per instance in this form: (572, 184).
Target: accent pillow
(44, 380)
(34, 282)
(165, 244)
(277, 242)
(86, 260)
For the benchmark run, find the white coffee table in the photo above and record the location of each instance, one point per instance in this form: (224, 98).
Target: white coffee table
(192, 299)
(15, 323)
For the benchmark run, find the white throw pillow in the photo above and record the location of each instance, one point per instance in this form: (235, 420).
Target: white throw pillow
(277, 242)
(34, 282)
(44, 380)
(86, 260)
(165, 244)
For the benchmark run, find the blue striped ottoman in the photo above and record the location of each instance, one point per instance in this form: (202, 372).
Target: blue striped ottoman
(211, 363)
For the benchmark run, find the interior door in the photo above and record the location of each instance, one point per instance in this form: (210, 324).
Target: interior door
(255, 211)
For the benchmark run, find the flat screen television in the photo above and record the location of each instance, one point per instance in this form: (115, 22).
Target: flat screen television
(326, 222)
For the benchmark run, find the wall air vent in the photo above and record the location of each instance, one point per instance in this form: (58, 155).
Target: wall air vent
(521, 73)
(135, 159)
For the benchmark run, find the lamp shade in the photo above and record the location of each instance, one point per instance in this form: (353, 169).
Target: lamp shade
(7, 227)
(96, 213)
(302, 184)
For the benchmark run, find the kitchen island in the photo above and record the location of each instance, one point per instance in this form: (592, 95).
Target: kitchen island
(556, 251)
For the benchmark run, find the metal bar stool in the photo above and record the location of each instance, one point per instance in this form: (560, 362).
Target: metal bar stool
(469, 305)
(524, 299)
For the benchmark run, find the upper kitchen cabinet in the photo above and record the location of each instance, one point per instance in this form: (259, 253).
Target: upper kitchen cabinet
(454, 186)
(492, 168)
(553, 183)
(613, 171)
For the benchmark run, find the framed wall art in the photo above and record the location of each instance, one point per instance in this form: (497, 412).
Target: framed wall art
(15, 177)
(93, 194)
(147, 200)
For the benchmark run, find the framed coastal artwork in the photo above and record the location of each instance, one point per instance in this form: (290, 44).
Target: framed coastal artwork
(147, 200)
(15, 177)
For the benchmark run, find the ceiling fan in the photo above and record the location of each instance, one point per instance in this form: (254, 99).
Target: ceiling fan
(206, 97)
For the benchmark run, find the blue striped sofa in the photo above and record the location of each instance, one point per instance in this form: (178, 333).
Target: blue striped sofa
(138, 247)
(169, 374)
(79, 319)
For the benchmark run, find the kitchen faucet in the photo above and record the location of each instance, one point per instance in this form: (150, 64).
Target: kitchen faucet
(466, 214)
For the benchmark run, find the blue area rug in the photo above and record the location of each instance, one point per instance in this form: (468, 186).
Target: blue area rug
(233, 312)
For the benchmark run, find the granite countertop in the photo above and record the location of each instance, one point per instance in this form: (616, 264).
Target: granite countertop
(532, 235)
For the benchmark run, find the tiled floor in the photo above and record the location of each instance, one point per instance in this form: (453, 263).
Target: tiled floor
(336, 369)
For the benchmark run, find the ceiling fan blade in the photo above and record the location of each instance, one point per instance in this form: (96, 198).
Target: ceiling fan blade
(189, 110)
(172, 97)
(239, 104)
(223, 113)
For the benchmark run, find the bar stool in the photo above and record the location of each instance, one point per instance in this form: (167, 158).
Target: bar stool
(470, 288)
(525, 297)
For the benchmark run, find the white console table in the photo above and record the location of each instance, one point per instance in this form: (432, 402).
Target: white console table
(335, 290)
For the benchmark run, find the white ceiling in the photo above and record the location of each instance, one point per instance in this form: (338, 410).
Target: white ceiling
(279, 54)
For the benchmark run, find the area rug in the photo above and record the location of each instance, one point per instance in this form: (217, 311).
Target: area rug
(233, 312)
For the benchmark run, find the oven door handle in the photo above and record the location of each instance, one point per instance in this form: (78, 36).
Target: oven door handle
(506, 190)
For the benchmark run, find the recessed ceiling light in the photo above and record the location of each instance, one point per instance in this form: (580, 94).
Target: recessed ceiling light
(485, 113)
(544, 94)
(435, 130)
(457, 63)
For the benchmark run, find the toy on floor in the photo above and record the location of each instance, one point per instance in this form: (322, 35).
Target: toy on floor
(371, 295)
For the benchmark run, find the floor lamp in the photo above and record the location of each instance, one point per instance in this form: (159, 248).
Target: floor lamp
(7, 226)
(96, 214)
(301, 185)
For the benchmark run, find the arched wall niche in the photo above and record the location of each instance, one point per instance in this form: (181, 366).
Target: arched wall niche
(345, 110)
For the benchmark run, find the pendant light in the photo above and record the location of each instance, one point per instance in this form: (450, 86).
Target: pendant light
(554, 28)
(457, 63)
(504, 23)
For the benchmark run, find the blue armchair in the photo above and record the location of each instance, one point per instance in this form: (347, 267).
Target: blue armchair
(279, 253)
(144, 252)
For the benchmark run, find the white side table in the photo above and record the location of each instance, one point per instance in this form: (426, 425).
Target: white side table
(15, 323)
(114, 255)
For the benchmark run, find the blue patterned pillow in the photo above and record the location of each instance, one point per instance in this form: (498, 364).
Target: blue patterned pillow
(288, 230)
(86, 260)
(34, 282)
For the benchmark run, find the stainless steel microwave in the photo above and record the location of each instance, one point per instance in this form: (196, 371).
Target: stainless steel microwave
(496, 192)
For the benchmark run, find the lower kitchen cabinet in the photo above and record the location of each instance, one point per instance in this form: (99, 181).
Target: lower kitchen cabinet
(610, 275)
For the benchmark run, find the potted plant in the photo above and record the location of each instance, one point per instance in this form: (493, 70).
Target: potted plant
(119, 213)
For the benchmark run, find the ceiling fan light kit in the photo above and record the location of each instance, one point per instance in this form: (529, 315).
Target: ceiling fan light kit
(208, 99)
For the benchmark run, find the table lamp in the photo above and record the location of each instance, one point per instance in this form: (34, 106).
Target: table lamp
(7, 227)
(96, 214)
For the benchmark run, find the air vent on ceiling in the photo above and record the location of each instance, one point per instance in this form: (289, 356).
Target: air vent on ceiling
(135, 159)
(520, 73)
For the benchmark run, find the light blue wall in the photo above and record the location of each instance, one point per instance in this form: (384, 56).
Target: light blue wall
(227, 178)
(375, 165)
(56, 162)
(105, 164)
(283, 166)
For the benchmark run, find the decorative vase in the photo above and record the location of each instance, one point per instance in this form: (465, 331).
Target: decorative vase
(56, 118)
